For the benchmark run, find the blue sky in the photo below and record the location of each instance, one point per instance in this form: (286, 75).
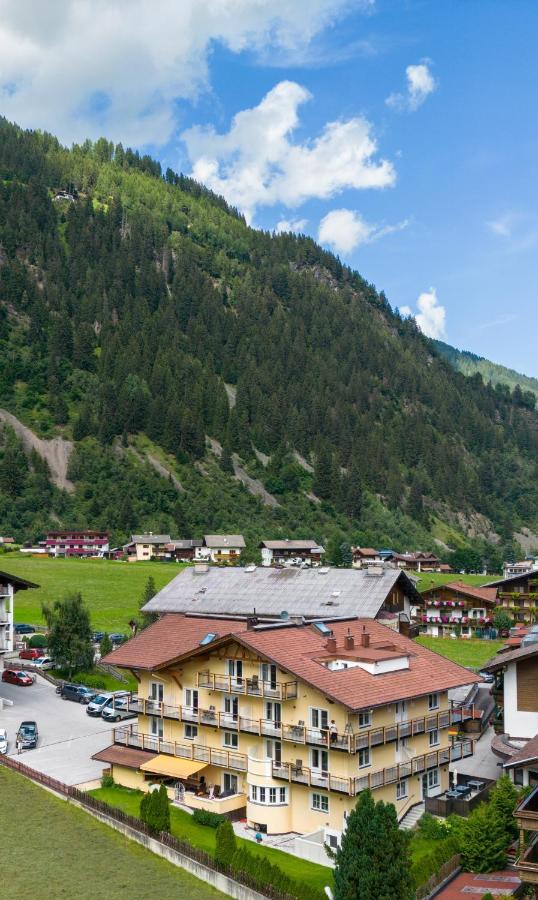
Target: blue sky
(402, 133)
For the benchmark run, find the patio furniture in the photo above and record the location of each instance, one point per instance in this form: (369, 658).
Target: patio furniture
(476, 785)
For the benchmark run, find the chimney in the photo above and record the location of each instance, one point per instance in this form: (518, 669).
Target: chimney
(331, 644)
(252, 621)
(365, 637)
(349, 642)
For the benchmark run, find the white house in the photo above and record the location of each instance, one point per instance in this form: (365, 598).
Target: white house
(9, 585)
(224, 549)
(287, 552)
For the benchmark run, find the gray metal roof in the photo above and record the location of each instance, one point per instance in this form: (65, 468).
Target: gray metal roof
(314, 593)
(150, 539)
(214, 541)
(185, 543)
(307, 544)
(509, 578)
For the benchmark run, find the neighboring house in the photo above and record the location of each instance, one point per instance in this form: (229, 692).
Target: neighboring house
(7, 540)
(516, 694)
(447, 607)
(261, 721)
(419, 562)
(146, 546)
(280, 594)
(518, 595)
(526, 815)
(291, 552)
(520, 568)
(366, 556)
(223, 549)
(9, 585)
(182, 550)
(77, 543)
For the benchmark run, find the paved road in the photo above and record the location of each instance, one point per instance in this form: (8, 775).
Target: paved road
(67, 735)
(483, 763)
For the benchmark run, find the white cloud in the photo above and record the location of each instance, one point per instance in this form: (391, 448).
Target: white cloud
(420, 84)
(406, 311)
(256, 163)
(82, 68)
(344, 230)
(517, 230)
(432, 316)
(296, 225)
(503, 226)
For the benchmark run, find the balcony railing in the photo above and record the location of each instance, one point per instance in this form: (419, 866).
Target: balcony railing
(129, 736)
(527, 864)
(349, 741)
(296, 772)
(253, 686)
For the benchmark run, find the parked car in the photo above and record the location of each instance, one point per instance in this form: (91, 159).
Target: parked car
(117, 638)
(117, 711)
(22, 628)
(31, 653)
(12, 676)
(488, 677)
(28, 735)
(97, 636)
(96, 706)
(77, 692)
(43, 663)
(3, 741)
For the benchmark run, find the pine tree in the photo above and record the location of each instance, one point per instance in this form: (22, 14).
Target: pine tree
(225, 842)
(105, 646)
(483, 840)
(146, 618)
(502, 803)
(70, 636)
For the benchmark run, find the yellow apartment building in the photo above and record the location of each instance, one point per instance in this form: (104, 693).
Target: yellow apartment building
(284, 724)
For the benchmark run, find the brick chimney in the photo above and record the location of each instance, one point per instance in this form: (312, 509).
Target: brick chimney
(349, 641)
(365, 637)
(331, 644)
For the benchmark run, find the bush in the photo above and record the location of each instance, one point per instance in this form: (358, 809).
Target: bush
(204, 817)
(155, 810)
(250, 864)
(225, 842)
(93, 681)
(37, 640)
(107, 781)
(431, 862)
(430, 827)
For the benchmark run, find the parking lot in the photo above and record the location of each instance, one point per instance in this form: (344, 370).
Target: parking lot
(67, 735)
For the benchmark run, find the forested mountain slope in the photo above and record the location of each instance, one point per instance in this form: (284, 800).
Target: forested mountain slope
(144, 316)
(470, 363)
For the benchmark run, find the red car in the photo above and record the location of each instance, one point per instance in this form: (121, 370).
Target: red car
(14, 677)
(32, 653)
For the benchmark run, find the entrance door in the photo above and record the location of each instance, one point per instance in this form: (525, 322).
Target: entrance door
(234, 668)
(268, 672)
(424, 786)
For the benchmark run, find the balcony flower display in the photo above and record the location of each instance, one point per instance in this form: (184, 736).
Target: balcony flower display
(444, 620)
(465, 620)
(424, 618)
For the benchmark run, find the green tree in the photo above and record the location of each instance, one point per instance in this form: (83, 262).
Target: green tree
(373, 861)
(225, 842)
(146, 618)
(483, 840)
(502, 803)
(501, 620)
(70, 635)
(346, 555)
(155, 810)
(105, 646)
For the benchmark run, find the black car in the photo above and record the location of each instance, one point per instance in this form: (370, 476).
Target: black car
(77, 692)
(22, 628)
(28, 735)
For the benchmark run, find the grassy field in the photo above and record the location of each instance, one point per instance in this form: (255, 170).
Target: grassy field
(466, 652)
(55, 850)
(110, 589)
(183, 827)
(432, 579)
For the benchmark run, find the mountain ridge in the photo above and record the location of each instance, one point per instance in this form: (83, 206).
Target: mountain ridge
(469, 363)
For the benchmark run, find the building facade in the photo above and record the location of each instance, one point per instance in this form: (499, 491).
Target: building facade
(518, 595)
(77, 543)
(287, 724)
(456, 609)
(221, 549)
(9, 585)
(143, 547)
(291, 553)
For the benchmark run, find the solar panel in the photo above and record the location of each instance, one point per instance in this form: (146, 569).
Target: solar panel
(322, 627)
(210, 636)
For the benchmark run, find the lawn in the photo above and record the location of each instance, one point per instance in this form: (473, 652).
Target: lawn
(432, 579)
(54, 849)
(112, 590)
(466, 652)
(184, 828)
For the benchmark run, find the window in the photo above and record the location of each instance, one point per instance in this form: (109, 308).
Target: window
(254, 792)
(268, 675)
(365, 758)
(319, 759)
(332, 840)
(191, 698)
(433, 701)
(273, 712)
(272, 795)
(234, 668)
(231, 739)
(320, 802)
(156, 726)
(273, 751)
(283, 795)
(434, 737)
(401, 790)
(156, 691)
(433, 778)
(191, 732)
(319, 718)
(229, 783)
(262, 794)
(231, 707)
(365, 719)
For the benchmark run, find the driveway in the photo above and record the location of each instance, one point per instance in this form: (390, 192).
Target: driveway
(67, 735)
(483, 763)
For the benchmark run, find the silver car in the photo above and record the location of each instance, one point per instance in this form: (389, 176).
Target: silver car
(118, 711)
(3, 740)
(96, 706)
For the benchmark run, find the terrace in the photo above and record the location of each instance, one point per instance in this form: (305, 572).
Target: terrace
(462, 798)
(254, 686)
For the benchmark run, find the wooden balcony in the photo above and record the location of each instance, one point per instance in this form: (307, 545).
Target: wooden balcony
(129, 736)
(526, 814)
(296, 772)
(348, 741)
(527, 864)
(252, 687)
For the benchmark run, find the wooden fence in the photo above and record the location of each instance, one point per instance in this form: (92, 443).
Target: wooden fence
(93, 804)
(446, 870)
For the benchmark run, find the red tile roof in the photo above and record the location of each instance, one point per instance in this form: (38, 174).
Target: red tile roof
(124, 756)
(487, 595)
(168, 638)
(528, 753)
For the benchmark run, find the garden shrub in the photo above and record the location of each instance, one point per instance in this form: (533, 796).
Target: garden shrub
(155, 810)
(204, 817)
(430, 827)
(107, 781)
(225, 842)
(92, 681)
(37, 640)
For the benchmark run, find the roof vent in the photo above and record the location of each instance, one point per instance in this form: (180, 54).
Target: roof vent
(209, 637)
(331, 644)
(201, 568)
(251, 568)
(349, 641)
(365, 637)
(323, 628)
(284, 615)
(324, 570)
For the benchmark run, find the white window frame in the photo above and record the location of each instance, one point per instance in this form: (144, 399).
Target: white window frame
(318, 716)
(365, 754)
(156, 726)
(191, 731)
(272, 795)
(320, 754)
(156, 691)
(319, 802)
(433, 738)
(365, 719)
(231, 740)
(283, 795)
(433, 778)
(401, 789)
(192, 694)
(433, 700)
